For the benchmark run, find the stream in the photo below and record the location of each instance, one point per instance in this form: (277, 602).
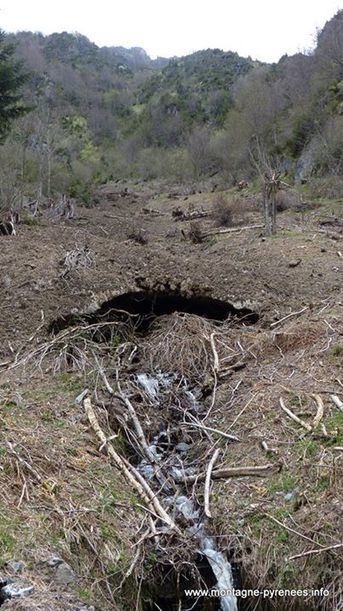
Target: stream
(175, 457)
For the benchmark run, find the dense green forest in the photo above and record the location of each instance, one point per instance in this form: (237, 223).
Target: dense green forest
(99, 114)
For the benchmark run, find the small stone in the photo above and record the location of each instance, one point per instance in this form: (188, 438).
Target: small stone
(294, 263)
(182, 447)
(54, 561)
(16, 566)
(65, 574)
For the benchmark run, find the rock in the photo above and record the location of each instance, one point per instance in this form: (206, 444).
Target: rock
(294, 263)
(15, 589)
(7, 282)
(16, 566)
(64, 574)
(182, 447)
(54, 561)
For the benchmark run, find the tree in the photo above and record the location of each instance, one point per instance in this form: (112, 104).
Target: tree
(12, 78)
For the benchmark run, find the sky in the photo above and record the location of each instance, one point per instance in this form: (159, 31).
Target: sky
(263, 29)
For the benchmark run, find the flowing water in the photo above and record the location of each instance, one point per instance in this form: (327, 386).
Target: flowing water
(181, 505)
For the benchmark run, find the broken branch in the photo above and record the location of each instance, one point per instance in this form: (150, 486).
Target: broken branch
(130, 473)
(294, 417)
(208, 482)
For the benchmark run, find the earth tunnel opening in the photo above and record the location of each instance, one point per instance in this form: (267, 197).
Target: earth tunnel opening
(146, 306)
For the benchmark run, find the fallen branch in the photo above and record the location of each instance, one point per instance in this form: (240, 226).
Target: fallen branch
(153, 212)
(316, 551)
(277, 322)
(23, 462)
(291, 530)
(215, 354)
(294, 417)
(337, 402)
(231, 230)
(320, 411)
(208, 482)
(179, 215)
(130, 473)
(211, 430)
(132, 412)
(259, 471)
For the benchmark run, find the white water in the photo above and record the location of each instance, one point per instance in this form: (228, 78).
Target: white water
(220, 566)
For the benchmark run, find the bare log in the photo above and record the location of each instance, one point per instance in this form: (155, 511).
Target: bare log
(208, 482)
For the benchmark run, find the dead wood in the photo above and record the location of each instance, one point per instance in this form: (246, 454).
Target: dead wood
(211, 430)
(258, 471)
(153, 212)
(332, 220)
(208, 482)
(295, 417)
(337, 402)
(320, 411)
(179, 215)
(129, 472)
(278, 322)
(231, 230)
(316, 551)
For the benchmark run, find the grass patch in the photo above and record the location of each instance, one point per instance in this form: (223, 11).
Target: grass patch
(282, 483)
(308, 447)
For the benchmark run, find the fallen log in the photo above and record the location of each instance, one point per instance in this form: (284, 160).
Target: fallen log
(231, 230)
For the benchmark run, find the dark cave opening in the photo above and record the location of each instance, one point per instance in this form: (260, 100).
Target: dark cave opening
(146, 306)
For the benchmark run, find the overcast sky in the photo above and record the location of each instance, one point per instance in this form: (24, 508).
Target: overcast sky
(263, 29)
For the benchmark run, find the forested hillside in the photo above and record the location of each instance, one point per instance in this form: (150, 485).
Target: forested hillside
(111, 113)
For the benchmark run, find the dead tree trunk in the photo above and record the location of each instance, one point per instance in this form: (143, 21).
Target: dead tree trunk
(271, 186)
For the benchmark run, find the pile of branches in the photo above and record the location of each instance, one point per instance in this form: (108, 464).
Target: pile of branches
(118, 404)
(181, 215)
(79, 258)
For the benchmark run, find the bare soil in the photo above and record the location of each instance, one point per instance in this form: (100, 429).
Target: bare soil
(74, 504)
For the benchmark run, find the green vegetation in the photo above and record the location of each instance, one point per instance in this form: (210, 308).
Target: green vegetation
(282, 483)
(103, 114)
(12, 79)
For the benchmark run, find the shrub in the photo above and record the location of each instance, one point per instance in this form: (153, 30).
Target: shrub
(222, 212)
(196, 233)
(137, 235)
(287, 199)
